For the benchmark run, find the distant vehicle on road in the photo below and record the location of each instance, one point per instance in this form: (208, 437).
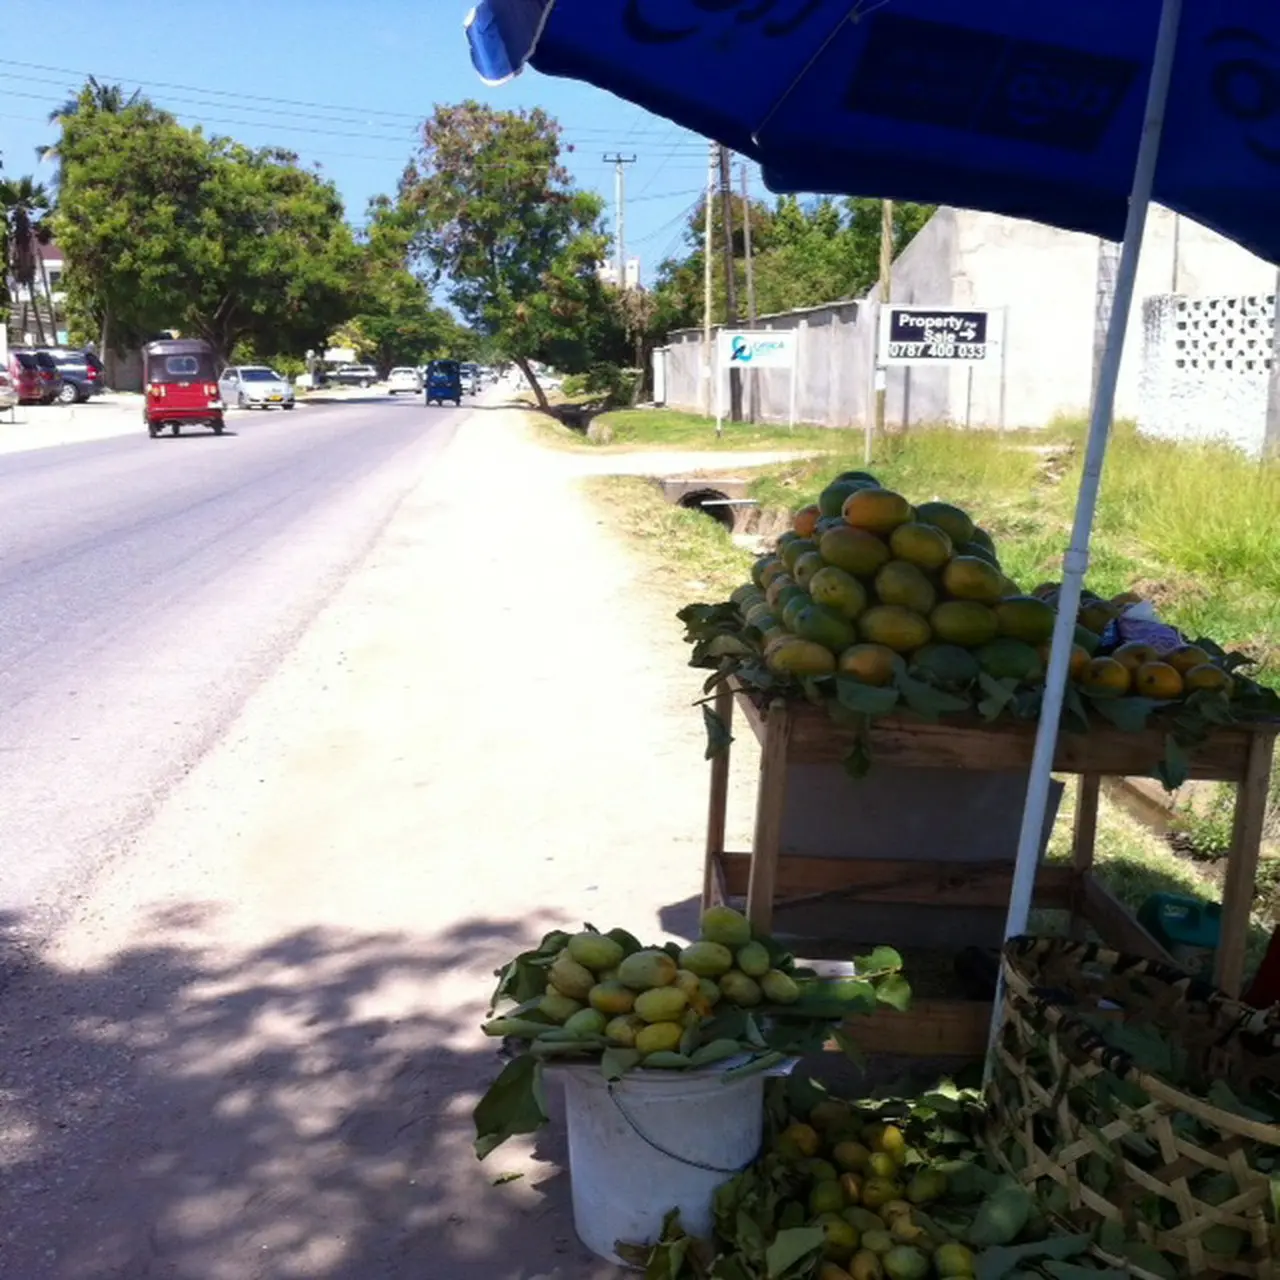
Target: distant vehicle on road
(444, 382)
(470, 374)
(82, 373)
(250, 386)
(404, 379)
(35, 376)
(355, 375)
(181, 386)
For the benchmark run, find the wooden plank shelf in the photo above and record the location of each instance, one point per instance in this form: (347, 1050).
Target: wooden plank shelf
(793, 733)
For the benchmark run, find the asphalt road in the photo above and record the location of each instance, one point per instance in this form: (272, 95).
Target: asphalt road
(146, 588)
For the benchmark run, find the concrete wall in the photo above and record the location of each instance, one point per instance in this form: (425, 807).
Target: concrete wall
(1051, 287)
(1206, 368)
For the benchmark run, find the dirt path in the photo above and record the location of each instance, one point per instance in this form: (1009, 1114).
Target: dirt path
(254, 1054)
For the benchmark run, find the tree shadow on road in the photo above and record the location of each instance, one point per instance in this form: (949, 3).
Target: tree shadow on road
(299, 1110)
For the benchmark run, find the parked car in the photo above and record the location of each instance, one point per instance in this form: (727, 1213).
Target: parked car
(8, 393)
(35, 377)
(356, 375)
(404, 379)
(82, 373)
(254, 386)
(470, 375)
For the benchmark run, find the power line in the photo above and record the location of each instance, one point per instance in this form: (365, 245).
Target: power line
(242, 99)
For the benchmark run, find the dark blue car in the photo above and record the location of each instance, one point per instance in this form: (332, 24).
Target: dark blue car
(444, 382)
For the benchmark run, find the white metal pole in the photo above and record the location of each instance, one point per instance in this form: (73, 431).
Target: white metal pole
(708, 357)
(1076, 559)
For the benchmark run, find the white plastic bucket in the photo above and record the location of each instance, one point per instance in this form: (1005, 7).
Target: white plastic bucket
(653, 1142)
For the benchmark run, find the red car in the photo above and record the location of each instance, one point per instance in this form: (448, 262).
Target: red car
(35, 377)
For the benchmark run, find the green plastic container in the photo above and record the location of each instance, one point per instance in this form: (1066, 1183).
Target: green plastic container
(1188, 930)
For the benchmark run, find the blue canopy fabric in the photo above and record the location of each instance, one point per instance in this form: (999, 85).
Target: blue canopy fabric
(1021, 107)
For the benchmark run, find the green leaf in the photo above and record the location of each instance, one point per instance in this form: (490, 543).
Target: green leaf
(790, 1247)
(895, 991)
(848, 1046)
(1211, 705)
(999, 695)
(615, 1063)
(1149, 1259)
(748, 1237)
(718, 736)
(869, 699)
(1001, 1261)
(833, 998)
(857, 760)
(727, 646)
(926, 701)
(1174, 769)
(879, 960)
(514, 1103)
(1075, 719)
(503, 1178)
(1220, 1094)
(1127, 714)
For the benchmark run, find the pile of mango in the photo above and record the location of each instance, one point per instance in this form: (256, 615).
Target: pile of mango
(863, 578)
(870, 1190)
(866, 586)
(599, 991)
(855, 1183)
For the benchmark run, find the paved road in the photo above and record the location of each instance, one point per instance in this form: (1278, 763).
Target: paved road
(146, 588)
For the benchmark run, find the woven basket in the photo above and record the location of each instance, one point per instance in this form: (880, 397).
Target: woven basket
(1085, 1109)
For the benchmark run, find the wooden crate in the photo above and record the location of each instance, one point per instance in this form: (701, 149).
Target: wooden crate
(791, 733)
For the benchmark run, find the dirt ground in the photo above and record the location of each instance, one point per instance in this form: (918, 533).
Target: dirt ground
(253, 1053)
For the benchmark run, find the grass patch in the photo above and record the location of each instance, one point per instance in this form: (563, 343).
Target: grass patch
(671, 429)
(693, 553)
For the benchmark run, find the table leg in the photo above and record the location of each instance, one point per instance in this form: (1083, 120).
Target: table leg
(1242, 863)
(1083, 841)
(718, 803)
(770, 794)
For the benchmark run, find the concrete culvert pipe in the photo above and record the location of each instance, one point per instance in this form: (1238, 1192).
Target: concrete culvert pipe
(711, 502)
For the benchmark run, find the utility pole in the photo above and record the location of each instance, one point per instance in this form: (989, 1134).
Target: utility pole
(886, 274)
(620, 163)
(708, 356)
(730, 282)
(753, 402)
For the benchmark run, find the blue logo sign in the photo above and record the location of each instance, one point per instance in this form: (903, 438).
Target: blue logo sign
(759, 349)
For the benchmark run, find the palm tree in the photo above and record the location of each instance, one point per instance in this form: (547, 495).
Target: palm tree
(103, 97)
(22, 203)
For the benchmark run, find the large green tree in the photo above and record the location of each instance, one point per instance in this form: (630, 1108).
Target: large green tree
(164, 227)
(397, 321)
(500, 221)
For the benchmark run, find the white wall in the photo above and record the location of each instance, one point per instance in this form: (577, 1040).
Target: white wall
(1046, 283)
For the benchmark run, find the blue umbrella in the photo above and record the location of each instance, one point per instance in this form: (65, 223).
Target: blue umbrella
(1074, 114)
(1019, 107)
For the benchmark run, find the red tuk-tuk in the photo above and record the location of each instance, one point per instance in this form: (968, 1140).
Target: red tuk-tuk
(181, 386)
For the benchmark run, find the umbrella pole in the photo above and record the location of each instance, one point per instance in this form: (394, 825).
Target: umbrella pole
(1076, 559)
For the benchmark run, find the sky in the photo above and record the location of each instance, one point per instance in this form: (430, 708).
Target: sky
(341, 84)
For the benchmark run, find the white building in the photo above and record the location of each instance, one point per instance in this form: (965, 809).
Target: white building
(47, 297)
(608, 272)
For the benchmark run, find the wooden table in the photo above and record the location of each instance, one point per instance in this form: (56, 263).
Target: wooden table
(800, 733)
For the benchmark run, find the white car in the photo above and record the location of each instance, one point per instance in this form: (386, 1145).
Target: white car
(8, 392)
(404, 379)
(254, 386)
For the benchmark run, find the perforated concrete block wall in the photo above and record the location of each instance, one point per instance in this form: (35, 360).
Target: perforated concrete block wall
(1206, 363)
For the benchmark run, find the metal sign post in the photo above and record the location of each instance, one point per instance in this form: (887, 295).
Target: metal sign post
(755, 349)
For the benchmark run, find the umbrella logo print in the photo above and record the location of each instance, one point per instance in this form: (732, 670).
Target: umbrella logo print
(645, 31)
(1246, 88)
